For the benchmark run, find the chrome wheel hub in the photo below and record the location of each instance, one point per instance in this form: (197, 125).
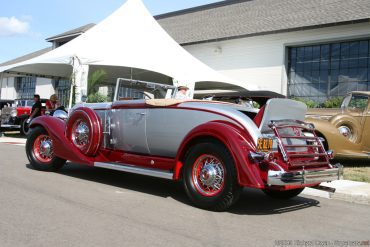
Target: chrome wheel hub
(81, 134)
(209, 175)
(46, 148)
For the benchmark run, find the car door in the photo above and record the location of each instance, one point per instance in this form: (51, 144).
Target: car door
(365, 141)
(128, 130)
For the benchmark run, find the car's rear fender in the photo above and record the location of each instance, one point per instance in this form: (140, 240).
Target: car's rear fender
(235, 139)
(63, 148)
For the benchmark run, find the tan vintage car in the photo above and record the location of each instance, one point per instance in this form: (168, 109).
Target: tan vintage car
(345, 130)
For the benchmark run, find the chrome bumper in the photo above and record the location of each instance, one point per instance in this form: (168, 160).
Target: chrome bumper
(282, 178)
(10, 126)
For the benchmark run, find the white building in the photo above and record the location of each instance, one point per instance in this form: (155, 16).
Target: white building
(301, 48)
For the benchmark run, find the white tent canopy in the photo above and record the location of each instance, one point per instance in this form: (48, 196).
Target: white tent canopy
(131, 38)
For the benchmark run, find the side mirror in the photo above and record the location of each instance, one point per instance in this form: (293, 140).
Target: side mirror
(60, 114)
(84, 98)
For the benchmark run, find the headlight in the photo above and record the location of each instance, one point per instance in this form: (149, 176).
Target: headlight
(345, 131)
(13, 113)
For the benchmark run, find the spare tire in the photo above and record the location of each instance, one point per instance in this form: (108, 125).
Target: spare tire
(84, 130)
(351, 123)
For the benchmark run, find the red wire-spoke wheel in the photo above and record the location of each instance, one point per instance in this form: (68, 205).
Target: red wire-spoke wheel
(208, 175)
(43, 149)
(40, 151)
(84, 130)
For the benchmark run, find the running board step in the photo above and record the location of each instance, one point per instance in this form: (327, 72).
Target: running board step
(137, 170)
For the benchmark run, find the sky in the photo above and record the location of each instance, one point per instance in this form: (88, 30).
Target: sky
(25, 24)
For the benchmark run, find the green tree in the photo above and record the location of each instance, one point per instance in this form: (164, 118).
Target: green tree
(93, 82)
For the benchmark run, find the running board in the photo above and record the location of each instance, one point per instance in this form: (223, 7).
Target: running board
(137, 170)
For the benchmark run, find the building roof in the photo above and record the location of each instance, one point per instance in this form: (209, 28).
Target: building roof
(26, 57)
(243, 18)
(71, 33)
(232, 19)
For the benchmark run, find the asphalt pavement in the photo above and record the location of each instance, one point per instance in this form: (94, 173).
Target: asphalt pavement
(84, 206)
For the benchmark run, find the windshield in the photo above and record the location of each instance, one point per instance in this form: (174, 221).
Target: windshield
(355, 102)
(22, 103)
(127, 89)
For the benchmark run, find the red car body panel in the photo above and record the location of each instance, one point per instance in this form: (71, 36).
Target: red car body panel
(62, 146)
(237, 141)
(23, 111)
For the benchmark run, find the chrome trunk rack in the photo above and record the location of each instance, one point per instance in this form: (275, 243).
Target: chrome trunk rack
(299, 144)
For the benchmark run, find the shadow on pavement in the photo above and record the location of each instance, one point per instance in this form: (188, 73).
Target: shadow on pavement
(255, 202)
(251, 202)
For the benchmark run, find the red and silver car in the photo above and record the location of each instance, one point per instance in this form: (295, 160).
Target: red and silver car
(215, 148)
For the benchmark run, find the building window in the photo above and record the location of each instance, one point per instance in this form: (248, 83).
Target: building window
(25, 87)
(318, 72)
(62, 90)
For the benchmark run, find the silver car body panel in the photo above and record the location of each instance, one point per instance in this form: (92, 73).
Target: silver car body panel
(167, 128)
(160, 131)
(230, 110)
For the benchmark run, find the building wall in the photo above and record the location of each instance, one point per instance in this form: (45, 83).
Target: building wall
(44, 87)
(8, 88)
(261, 60)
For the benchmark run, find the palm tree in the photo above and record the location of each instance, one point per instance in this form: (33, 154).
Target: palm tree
(94, 80)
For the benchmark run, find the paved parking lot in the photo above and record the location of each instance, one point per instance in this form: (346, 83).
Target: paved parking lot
(82, 206)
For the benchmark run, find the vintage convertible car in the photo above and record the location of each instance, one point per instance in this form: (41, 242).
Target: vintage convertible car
(345, 130)
(215, 148)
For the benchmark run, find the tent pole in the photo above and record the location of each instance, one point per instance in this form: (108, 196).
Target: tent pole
(1, 82)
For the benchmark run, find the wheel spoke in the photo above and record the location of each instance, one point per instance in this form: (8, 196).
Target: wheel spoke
(208, 175)
(43, 149)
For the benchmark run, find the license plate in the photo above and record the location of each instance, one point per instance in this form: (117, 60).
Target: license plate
(264, 144)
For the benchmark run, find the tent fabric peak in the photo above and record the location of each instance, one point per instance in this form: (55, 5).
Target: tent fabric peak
(129, 37)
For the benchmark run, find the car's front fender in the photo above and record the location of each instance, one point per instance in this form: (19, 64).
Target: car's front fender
(335, 141)
(237, 141)
(62, 147)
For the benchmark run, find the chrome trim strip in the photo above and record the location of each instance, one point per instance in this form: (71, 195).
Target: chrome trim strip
(302, 177)
(137, 170)
(10, 126)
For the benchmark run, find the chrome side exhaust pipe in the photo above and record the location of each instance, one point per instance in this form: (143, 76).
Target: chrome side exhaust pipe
(324, 188)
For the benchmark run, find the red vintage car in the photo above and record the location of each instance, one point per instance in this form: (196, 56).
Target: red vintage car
(215, 148)
(15, 116)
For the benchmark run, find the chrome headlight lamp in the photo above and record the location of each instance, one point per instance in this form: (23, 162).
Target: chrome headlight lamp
(345, 131)
(13, 113)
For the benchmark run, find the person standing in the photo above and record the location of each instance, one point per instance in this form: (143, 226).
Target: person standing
(36, 108)
(182, 93)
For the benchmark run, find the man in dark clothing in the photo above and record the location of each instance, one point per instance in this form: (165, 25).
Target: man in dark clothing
(36, 108)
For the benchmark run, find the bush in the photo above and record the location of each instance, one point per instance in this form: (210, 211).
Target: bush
(308, 102)
(334, 102)
(97, 98)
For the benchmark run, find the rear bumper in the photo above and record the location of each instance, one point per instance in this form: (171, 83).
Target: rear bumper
(281, 178)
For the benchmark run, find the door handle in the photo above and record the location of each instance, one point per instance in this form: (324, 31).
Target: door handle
(141, 113)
